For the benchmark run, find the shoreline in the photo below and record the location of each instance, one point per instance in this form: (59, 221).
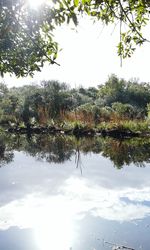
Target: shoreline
(78, 131)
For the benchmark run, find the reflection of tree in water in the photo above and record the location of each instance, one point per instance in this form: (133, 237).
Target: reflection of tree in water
(78, 160)
(55, 149)
(60, 148)
(129, 151)
(6, 155)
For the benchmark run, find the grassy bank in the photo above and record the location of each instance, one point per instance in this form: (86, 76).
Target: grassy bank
(124, 128)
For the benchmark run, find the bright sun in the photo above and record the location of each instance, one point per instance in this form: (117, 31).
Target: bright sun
(35, 3)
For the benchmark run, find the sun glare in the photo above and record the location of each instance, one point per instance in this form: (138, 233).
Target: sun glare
(54, 235)
(54, 231)
(36, 3)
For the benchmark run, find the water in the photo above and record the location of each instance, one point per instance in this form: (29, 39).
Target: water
(60, 193)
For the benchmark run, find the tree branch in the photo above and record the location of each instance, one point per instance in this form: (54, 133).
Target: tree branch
(36, 44)
(131, 23)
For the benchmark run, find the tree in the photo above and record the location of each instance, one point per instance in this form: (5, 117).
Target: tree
(124, 110)
(27, 42)
(119, 90)
(3, 90)
(113, 90)
(26, 39)
(138, 94)
(57, 98)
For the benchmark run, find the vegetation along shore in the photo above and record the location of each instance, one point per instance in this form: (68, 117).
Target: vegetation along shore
(116, 108)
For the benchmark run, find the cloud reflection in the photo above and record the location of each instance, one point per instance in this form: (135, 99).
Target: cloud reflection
(76, 198)
(52, 200)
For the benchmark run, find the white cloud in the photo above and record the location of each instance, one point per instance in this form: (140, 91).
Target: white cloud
(75, 199)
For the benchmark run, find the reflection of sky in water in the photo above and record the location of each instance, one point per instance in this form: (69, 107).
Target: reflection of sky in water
(128, 201)
(61, 206)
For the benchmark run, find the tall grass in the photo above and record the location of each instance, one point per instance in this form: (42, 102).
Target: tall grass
(106, 121)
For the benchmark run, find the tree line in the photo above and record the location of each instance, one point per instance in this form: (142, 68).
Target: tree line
(53, 101)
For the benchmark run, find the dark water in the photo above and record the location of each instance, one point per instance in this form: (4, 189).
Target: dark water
(60, 193)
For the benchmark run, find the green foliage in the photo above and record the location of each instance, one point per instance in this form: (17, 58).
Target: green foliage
(119, 90)
(148, 110)
(138, 94)
(124, 110)
(129, 125)
(114, 101)
(113, 90)
(56, 97)
(135, 126)
(26, 37)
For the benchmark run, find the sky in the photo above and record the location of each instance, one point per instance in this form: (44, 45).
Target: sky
(88, 57)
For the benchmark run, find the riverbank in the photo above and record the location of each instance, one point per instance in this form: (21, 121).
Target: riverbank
(117, 131)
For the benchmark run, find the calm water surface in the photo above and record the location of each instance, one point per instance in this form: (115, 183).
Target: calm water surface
(60, 193)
